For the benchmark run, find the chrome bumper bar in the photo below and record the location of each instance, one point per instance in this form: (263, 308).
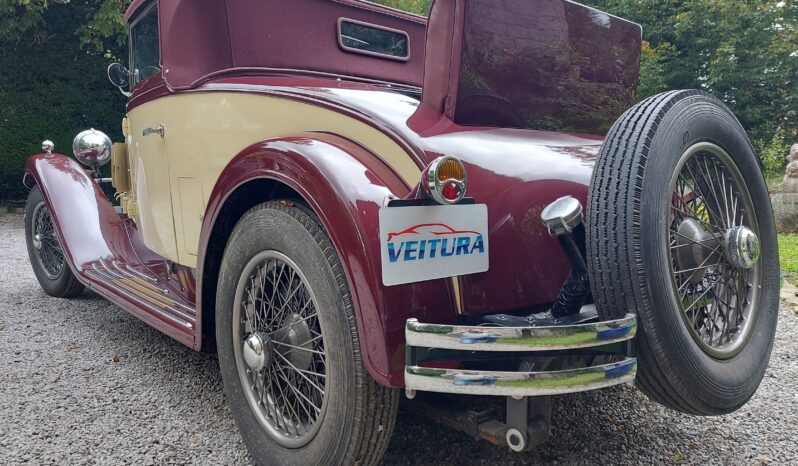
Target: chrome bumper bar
(562, 337)
(522, 342)
(520, 383)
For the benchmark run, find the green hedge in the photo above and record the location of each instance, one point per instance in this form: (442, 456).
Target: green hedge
(51, 90)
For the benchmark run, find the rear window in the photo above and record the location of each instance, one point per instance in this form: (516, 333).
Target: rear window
(370, 39)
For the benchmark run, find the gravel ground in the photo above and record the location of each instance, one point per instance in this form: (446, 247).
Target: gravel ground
(83, 382)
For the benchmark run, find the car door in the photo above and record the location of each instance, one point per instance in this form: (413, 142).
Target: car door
(147, 148)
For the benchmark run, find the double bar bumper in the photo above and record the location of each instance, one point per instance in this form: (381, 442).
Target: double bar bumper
(526, 342)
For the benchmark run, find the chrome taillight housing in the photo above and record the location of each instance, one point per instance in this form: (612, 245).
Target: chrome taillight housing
(444, 180)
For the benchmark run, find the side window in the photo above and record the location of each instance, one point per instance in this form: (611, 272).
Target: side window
(371, 39)
(145, 56)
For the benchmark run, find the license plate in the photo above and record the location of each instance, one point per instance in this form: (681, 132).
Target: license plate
(429, 242)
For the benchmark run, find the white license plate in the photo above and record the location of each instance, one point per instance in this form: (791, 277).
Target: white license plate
(429, 242)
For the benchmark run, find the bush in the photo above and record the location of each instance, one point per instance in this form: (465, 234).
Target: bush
(51, 91)
(774, 154)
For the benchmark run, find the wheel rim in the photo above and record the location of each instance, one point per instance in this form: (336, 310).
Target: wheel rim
(45, 243)
(279, 349)
(713, 240)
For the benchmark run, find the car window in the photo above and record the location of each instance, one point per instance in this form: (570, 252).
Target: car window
(146, 53)
(371, 39)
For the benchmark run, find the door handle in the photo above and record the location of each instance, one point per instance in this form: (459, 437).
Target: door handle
(160, 130)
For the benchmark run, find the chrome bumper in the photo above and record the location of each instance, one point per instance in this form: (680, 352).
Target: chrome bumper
(595, 337)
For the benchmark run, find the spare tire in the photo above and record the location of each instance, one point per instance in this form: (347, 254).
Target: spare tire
(681, 231)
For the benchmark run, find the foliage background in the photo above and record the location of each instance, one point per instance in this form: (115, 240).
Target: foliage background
(53, 55)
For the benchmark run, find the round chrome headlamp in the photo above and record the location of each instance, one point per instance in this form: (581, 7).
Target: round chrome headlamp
(92, 148)
(444, 180)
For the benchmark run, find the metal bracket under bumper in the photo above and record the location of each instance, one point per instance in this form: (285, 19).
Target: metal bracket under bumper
(464, 343)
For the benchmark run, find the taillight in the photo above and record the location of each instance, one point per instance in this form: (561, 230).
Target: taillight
(444, 180)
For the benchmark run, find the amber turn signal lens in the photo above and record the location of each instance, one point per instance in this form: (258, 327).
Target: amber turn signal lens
(451, 169)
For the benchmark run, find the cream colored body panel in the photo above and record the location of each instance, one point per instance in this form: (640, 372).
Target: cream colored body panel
(173, 176)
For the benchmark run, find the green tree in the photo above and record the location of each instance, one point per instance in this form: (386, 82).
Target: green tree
(745, 52)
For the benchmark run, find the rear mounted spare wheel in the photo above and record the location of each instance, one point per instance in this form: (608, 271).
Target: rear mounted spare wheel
(680, 229)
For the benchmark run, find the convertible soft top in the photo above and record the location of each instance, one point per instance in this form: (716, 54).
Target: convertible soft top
(201, 37)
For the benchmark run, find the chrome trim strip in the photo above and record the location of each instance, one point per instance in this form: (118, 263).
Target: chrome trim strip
(467, 382)
(119, 282)
(129, 275)
(562, 337)
(136, 298)
(140, 274)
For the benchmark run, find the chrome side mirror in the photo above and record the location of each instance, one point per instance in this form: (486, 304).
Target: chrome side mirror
(119, 77)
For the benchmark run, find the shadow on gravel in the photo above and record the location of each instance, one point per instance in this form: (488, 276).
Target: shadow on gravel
(596, 428)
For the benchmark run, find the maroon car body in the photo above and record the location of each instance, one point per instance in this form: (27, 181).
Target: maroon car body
(253, 102)
(515, 171)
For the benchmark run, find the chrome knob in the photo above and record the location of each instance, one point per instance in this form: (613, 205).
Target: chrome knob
(48, 146)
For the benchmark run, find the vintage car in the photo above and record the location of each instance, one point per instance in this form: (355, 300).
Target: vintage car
(344, 200)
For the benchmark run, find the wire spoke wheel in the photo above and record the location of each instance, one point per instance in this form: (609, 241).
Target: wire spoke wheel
(680, 228)
(47, 249)
(714, 250)
(279, 349)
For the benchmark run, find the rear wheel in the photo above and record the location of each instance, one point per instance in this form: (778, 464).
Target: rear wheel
(680, 229)
(288, 346)
(45, 251)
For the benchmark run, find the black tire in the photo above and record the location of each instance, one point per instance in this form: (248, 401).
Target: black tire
(55, 280)
(630, 257)
(359, 415)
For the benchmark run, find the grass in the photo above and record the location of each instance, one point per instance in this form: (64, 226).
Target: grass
(788, 255)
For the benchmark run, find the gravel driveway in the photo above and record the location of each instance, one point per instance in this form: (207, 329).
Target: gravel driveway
(83, 382)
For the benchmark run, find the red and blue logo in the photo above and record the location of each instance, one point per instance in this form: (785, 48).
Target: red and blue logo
(440, 240)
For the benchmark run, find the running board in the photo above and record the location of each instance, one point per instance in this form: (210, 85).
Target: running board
(143, 289)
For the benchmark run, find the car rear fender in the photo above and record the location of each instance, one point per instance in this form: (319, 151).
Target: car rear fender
(345, 185)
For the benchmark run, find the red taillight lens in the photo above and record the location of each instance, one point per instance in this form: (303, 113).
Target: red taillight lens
(450, 192)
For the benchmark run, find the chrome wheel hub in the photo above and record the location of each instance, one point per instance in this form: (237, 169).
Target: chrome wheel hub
(257, 351)
(37, 240)
(742, 247)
